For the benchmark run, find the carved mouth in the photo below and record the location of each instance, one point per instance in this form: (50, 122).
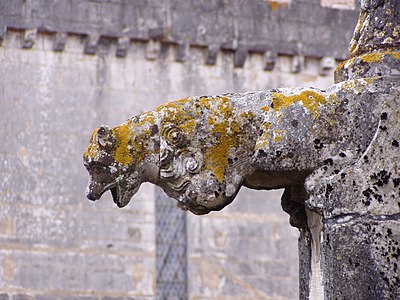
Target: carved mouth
(122, 195)
(114, 193)
(93, 193)
(117, 196)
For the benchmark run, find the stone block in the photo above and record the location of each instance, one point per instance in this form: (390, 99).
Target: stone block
(91, 43)
(182, 51)
(211, 54)
(240, 57)
(153, 49)
(60, 41)
(327, 65)
(269, 60)
(28, 38)
(122, 46)
(297, 64)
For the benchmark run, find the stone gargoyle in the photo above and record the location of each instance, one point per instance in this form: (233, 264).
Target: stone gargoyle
(201, 150)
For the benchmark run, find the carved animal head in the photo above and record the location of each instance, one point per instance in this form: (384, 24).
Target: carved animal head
(198, 150)
(185, 147)
(114, 160)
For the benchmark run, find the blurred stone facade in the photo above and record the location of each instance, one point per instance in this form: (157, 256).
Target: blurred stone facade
(58, 85)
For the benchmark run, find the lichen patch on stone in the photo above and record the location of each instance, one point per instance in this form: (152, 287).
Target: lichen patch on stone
(311, 100)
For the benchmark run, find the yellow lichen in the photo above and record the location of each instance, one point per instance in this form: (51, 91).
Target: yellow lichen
(217, 157)
(372, 57)
(276, 4)
(396, 31)
(247, 115)
(205, 102)
(396, 55)
(333, 98)
(226, 130)
(378, 56)
(210, 120)
(263, 141)
(93, 150)
(147, 117)
(265, 108)
(277, 136)
(122, 138)
(310, 99)
(188, 125)
(177, 113)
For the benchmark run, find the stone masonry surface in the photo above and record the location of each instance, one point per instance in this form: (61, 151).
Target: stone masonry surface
(317, 144)
(301, 27)
(55, 245)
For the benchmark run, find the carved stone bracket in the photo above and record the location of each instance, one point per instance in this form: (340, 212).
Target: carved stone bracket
(335, 152)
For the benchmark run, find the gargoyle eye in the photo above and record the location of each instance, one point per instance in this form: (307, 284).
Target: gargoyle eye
(173, 135)
(104, 136)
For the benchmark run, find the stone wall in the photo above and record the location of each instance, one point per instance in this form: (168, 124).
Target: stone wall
(54, 244)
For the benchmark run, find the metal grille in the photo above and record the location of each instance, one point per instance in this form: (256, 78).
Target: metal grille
(171, 243)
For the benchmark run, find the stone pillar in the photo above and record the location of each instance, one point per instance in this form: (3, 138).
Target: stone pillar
(360, 204)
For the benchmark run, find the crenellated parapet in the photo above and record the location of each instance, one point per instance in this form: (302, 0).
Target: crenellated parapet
(270, 28)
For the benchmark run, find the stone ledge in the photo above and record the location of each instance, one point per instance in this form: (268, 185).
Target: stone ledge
(290, 27)
(153, 50)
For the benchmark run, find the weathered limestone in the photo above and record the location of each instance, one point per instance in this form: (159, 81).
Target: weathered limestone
(201, 150)
(360, 203)
(336, 153)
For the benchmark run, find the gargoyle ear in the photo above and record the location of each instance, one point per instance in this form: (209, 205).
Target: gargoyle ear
(104, 136)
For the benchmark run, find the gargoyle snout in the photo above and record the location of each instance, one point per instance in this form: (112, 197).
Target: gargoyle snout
(94, 191)
(92, 196)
